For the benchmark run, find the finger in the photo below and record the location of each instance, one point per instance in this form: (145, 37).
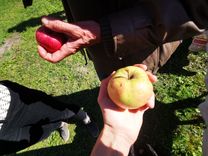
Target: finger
(43, 53)
(51, 57)
(143, 66)
(151, 102)
(69, 48)
(61, 26)
(151, 77)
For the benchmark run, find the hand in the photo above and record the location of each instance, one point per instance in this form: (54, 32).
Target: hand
(80, 34)
(126, 123)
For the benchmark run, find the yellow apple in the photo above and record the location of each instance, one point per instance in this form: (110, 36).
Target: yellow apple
(130, 87)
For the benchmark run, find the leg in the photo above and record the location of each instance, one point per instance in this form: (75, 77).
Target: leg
(31, 115)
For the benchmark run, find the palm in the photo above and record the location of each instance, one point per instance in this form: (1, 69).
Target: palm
(118, 118)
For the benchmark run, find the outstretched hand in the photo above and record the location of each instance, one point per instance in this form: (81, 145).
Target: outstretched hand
(80, 35)
(124, 122)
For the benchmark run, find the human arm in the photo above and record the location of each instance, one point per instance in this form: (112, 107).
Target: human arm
(139, 26)
(121, 127)
(109, 143)
(79, 35)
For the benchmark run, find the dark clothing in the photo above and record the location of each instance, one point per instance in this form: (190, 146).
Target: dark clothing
(135, 31)
(31, 117)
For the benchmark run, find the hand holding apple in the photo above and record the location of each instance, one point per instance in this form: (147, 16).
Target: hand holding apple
(79, 35)
(50, 40)
(130, 87)
(122, 121)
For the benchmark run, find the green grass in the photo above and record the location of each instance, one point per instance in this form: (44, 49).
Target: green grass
(174, 127)
(68, 80)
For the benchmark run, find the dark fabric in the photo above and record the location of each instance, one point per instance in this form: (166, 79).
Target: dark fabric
(27, 3)
(30, 96)
(140, 28)
(8, 147)
(32, 116)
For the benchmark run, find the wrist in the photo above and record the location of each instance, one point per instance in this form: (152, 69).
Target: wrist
(116, 140)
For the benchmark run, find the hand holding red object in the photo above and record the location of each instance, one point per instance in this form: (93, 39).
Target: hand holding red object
(50, 40)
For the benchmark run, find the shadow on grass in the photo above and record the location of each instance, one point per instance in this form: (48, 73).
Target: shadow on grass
(83, 142)
(159, 125)
(33, 22)
(156, 136)
(157, 129)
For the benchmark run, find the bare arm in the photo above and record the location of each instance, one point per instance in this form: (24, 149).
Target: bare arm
(121, 127)
(110, 143)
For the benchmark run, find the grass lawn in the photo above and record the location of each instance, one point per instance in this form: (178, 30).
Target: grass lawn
(174, 127)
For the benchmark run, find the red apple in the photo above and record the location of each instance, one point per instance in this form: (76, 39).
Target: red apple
(130, 87)
(50, 40)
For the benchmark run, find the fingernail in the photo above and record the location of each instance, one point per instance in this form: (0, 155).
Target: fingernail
(44, 21)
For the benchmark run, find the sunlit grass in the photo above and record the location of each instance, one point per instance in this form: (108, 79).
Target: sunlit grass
(73, 81)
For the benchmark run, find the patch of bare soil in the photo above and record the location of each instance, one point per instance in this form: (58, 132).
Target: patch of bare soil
(11, 41)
